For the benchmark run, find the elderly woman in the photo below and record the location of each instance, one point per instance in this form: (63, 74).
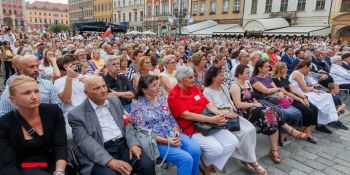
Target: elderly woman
(168, 80)
(151, 111)
(189, 105)
(48, 67)
(268, 93)
(251, 109)
(33, 137)
(327, 112)
(340, 75)
(199, 62)
(219, 95)
(308, 110)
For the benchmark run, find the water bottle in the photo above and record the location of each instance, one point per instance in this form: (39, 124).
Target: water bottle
(172, 135)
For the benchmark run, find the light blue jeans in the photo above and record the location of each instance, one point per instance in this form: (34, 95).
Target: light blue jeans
(186, 158)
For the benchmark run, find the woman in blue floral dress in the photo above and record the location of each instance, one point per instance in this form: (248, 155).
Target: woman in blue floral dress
(151, 111)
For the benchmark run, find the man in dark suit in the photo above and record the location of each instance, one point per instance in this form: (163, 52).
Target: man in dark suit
(288, 59)
(346, 60)
(319, 61)
(106, 141)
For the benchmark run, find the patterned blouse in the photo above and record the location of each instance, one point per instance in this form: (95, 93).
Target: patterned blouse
(157, 118)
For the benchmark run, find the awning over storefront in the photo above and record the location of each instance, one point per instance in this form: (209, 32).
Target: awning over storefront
(261, 25)
(300, 31)
(211, 30)
(237, 30)
(198, 26)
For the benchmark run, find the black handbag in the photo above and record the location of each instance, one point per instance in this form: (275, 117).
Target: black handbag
(232, 124)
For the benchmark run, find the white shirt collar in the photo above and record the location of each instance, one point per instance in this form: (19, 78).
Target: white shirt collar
(94, 105)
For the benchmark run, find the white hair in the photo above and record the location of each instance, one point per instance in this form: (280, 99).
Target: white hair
(183, 72)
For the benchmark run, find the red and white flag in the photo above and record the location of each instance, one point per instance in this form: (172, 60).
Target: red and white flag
(107, 33)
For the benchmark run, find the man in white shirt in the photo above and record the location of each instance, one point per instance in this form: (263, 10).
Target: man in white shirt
(107, 142)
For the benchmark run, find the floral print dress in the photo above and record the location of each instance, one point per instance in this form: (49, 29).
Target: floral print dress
(265, 119)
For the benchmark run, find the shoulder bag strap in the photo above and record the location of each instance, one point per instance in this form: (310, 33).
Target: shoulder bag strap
(31, 131)
(227, 96)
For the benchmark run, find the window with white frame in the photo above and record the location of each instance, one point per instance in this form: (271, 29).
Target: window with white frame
(254, 6)
(149, 11)
(284, 5)
(237, 5)
(202, 7)
(165, 9)
(195, 8)
(212, 7)
(301, 5)
(320, 4)
(225, 6)
(268, 6)
(157, 10)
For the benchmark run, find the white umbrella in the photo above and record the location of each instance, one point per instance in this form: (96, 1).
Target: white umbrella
(148, 33)
(134, 32)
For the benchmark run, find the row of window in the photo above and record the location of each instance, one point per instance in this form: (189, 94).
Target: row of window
(54, 14)
(122, 3)
(164, 11)
(225, 7)
(119, 19)
(320, 5)
(80, 14)
(83, 20)
(44, 21)
(103, 7)
(80, 5)
(10, 11)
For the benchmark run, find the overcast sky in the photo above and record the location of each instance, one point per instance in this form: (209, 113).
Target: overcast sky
(59, 1)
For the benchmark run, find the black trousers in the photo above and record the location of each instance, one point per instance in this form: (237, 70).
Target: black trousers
(309, 113)
(119, 150)
(8, 70)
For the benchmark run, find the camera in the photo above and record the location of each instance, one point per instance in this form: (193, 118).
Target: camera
(78, 68)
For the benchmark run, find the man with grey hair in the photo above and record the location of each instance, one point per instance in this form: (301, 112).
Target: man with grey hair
(243, 58)
(118, 85)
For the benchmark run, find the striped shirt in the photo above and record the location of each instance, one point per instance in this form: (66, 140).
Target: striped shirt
(48, 94)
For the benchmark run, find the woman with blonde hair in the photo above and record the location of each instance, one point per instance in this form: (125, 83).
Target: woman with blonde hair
(300, 101)
(144, 67)
(167, 77)
(33, 137)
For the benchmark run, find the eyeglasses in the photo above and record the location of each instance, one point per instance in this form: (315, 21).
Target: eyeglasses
(148, 62)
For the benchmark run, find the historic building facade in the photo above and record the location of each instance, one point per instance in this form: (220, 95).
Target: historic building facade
(222, 11)
(103, 10)
(12, 14)
(80, 11)
(40, 15)
(340, 19)
(303, 12)
(158, 12)
(131, 11)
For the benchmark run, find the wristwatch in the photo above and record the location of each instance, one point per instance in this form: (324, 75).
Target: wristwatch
(60, 172)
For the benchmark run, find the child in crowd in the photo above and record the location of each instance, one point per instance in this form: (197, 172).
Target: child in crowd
(334, 90)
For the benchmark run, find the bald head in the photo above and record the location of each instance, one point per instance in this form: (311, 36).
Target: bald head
(96, 89)
(28, 65)
(16, 60)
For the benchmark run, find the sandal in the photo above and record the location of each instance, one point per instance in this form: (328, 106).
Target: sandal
(248, 166)
(259, 169)
(275, 157)
(301, 135)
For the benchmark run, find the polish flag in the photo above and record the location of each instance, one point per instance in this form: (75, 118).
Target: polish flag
(107, 33)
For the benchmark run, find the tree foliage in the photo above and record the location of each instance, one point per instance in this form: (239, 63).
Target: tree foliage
(56, 28)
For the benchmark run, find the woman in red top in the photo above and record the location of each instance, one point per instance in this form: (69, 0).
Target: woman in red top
(188, 104)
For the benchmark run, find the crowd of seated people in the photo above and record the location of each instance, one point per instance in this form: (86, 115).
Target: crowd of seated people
(93, 93)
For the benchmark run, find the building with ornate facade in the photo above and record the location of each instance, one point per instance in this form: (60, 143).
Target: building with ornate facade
(131, 11)
(221, 11)
(80, 11)
(103, 10)
(12, 12)
(41, 14)
(340, 19)
(157, 13)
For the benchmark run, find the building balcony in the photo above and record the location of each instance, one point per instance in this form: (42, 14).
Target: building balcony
(286, 15)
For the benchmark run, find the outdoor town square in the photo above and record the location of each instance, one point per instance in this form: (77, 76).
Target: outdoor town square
(166, 87)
